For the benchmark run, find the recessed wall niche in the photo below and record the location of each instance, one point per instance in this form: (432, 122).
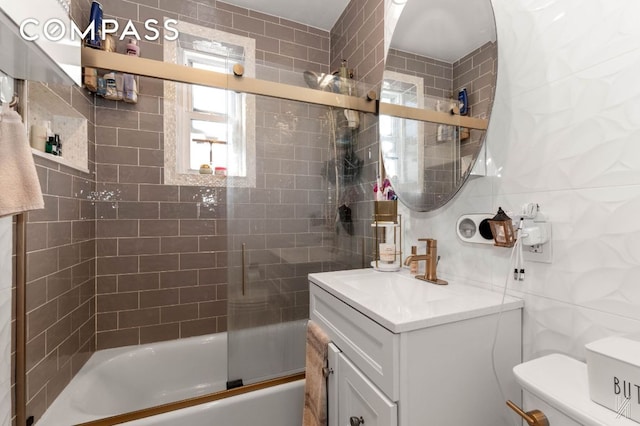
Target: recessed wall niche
(42, 105)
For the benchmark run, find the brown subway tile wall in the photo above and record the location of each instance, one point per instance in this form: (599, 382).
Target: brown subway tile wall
(61, 257)
(476, 72)
(358, 38)
(150, 231)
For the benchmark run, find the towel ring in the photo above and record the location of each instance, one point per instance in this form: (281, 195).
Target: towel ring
(14, 101)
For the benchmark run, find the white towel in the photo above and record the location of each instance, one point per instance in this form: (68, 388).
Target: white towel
(19, 186)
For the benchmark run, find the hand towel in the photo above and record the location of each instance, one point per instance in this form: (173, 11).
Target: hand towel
(19, 186)
(315, 387)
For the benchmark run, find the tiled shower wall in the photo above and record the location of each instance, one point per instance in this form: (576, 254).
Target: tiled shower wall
(358, 38)
(159, 253)
(162, 255)
(437, 75)
(475, 71)
(60, 284)
(61, 271)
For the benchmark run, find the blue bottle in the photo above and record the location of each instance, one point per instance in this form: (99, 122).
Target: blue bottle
(463, 100)
(94, 39)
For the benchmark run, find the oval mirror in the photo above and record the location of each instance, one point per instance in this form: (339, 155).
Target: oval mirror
(436, 97)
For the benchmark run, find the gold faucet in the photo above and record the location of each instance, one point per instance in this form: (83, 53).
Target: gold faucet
(432, 262)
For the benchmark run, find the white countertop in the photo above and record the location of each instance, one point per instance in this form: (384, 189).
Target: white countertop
(401, 303)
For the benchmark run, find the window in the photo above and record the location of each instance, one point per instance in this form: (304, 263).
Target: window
(206, 125)
(402, 140)
(212, 120)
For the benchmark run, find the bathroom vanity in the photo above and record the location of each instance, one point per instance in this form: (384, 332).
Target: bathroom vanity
(406, 352)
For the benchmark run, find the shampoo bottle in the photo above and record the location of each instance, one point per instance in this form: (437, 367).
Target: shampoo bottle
(344, 77)
(94, 37)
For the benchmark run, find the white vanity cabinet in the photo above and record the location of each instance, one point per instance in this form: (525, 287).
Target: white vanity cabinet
(409, 353)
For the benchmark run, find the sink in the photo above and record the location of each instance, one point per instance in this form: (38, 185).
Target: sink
(399, 302)
(400, 287)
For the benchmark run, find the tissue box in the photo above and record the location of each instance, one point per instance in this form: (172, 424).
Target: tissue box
(613, 369)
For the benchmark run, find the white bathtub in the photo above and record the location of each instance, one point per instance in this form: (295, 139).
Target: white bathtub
(276, 406)
(120, 380)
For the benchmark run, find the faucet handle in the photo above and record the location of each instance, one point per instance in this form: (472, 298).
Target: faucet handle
(429, 241)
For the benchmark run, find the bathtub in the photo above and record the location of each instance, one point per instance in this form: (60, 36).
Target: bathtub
(119, 380)
(276, 406)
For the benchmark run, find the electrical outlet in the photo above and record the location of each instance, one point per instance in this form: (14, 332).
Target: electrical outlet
(537, 253)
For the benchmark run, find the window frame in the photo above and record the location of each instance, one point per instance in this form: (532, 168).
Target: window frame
(189, 113)
(177, 124)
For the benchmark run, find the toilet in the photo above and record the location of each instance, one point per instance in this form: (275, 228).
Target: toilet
(558, 386)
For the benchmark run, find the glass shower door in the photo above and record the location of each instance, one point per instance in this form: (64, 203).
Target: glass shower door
(294, 220)
(276, 234)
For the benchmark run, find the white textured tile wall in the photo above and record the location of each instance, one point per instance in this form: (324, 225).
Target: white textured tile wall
(564, 133)
(5, 321)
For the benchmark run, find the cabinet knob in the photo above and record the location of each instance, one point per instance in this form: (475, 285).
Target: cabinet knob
(533, 417)
(356, 421)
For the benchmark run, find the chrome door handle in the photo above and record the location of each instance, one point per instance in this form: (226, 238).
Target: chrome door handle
(533, 417)
(356, 421)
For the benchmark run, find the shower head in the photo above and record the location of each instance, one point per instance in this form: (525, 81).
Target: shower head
(319, 82)
(311, 78)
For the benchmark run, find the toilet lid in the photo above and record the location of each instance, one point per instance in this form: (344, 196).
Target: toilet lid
(562, 382)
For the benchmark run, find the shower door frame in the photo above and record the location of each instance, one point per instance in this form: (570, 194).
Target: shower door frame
(182, 74)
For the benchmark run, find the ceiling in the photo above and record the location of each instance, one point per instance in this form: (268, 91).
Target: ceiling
(445, 29)
(440, 29)
(321, 14)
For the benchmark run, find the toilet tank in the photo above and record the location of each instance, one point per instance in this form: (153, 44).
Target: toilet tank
(555, 417)
(558, 386)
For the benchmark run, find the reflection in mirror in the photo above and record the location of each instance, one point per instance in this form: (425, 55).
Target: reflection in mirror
(442, 57)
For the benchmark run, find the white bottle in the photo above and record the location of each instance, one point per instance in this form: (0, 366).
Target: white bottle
(130, 89)
(111, 91)
(38, 136)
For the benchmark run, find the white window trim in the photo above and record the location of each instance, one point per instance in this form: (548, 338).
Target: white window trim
(172, 94)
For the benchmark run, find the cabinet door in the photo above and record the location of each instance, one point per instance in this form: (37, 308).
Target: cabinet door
(361, 400)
